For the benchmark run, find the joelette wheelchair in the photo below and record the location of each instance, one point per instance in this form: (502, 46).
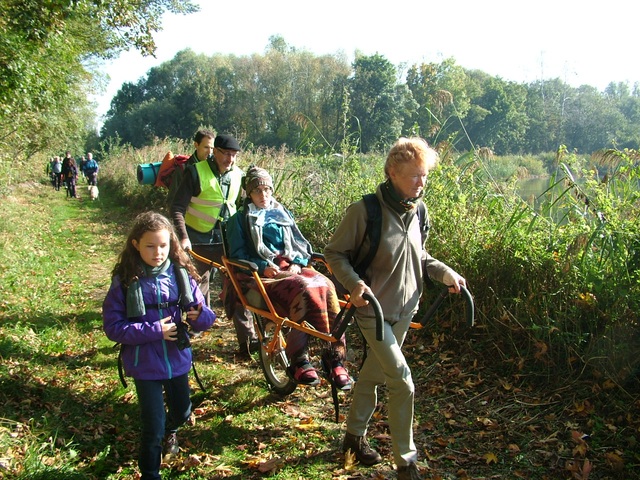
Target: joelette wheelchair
(272, 328)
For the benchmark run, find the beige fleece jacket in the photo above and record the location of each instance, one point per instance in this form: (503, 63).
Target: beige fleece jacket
(395, 274)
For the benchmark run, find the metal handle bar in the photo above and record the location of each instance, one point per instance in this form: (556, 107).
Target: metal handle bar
(204, 260)
(438, 301)
(342, 324)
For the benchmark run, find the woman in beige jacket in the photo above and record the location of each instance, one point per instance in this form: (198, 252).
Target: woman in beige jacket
(395, 278)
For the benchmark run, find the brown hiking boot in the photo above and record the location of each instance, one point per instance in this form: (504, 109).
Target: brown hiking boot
(361, 449)
(409, 472)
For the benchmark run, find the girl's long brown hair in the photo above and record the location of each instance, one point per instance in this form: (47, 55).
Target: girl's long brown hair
(129, 264)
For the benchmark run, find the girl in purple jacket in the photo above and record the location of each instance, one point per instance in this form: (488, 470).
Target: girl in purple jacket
(153, 284)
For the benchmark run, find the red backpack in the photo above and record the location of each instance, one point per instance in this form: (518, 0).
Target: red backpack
(170, 163)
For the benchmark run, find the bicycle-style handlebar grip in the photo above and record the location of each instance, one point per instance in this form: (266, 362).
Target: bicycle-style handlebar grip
(377, 310)
(470, 310)
(379, 315)
(471, 320)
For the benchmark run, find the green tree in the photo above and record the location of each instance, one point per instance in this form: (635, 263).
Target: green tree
(299, 90)
(48, 49)
(593, 121)
(376, 102)
(627, 101)
(285, 97)
(173, 100)
(497, 118)
(439, 90)
(546, 109)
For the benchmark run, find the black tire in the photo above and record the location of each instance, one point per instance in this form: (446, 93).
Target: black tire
(274, 365)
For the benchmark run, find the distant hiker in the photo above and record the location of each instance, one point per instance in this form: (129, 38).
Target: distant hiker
(395, 277)
(70, 174)
(90, 169)
(153, 285)
(56, 169)
(81, 164)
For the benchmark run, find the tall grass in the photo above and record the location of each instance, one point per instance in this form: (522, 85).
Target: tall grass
(556, 292)
(555, 287)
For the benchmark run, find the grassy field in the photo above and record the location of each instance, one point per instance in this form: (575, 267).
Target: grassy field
(65, 414)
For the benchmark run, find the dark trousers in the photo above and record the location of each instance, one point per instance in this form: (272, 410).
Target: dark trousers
(57, 180)
(209, 246)
(205, 270)
(156, 422)
(71, 187)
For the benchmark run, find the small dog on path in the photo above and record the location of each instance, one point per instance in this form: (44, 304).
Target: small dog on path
(93, 192)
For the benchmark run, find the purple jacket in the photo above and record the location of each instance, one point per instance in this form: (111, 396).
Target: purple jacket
(146, 355)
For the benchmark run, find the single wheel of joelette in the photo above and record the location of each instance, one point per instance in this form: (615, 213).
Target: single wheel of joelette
(275, 364)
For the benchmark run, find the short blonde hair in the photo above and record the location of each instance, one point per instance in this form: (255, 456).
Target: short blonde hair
(411, 150)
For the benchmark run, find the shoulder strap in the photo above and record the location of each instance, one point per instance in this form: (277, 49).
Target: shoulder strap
(423, 217)
(186, 296)
(373, 231)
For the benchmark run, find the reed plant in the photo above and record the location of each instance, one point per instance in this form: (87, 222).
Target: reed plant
(556, 287)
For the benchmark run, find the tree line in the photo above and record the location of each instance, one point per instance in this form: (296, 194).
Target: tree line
(317, 104)
(51, 57)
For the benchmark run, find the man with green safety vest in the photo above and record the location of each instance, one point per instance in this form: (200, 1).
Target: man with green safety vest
(207, 196)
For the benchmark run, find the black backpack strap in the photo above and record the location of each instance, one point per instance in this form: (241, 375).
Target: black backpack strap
(184, 287)
(197, 377)
(120, 367)
(185, 296)
(373, 231)
(423, 217)
(158, 306)
(425, 225)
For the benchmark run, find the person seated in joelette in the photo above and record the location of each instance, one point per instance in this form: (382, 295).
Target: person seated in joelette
(265, 233)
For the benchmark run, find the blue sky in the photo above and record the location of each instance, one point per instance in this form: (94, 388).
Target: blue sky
(519, 41)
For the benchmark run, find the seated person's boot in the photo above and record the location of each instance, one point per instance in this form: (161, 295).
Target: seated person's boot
(337, 373)
(303, 372)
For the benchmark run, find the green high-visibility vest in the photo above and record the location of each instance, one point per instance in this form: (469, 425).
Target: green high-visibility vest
(204, 210)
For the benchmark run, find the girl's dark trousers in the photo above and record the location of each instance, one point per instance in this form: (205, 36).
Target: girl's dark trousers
(156, 422)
